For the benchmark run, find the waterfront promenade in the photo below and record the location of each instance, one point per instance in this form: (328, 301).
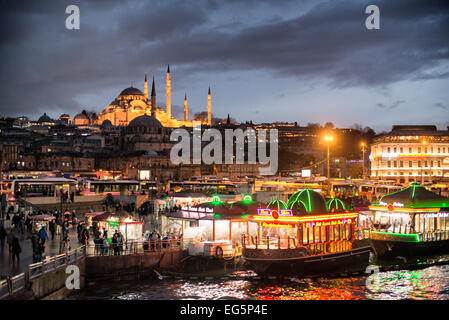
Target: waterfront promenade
(7, 268)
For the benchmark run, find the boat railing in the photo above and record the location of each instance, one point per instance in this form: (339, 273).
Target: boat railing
(438, 235)
(278, 243)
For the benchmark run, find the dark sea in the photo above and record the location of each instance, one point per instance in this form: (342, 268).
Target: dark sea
(421, 280)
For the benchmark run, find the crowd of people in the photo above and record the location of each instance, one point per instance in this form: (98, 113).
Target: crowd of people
(104, 246)
(20, 225)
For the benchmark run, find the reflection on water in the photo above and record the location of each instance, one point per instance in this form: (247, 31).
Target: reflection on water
(430, 283)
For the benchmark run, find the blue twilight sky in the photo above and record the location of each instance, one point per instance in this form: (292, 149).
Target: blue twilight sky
(283, 60)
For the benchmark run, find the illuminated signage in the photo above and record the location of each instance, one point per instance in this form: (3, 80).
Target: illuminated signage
(333, 222)
(436, 215)
(278, 225)
(394, 204)
(275, 213)
(197, 209)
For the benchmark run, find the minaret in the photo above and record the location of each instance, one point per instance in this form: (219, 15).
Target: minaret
(145, 87)
(153, 100)
(209, 109)
(186, 111)
(168, 93)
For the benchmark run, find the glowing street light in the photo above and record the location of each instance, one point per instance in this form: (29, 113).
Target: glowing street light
(328, 139)
(363, 157)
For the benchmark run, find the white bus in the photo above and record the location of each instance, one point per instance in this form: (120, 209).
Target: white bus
(116, 187)
(40, 187)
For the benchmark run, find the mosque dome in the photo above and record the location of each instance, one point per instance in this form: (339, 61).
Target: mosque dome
(45, 118)
(106, 124)
(145, 121)
(131, 91)
(307, 202)
(81, 116)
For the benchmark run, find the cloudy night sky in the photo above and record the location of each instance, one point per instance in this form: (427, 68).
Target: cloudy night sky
(304, 61)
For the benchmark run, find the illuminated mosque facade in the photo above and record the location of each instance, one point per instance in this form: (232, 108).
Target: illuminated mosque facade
(132, 103)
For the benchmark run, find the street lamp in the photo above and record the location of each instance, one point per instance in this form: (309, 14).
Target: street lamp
(424, 142)
(363, 157)
(328, 139)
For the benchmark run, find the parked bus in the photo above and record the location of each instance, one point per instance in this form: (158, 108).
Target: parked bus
(116, 187)
(41, 187)
(225, 190)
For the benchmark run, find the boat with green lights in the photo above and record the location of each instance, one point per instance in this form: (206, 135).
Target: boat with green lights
(306, 236)
(411, 222)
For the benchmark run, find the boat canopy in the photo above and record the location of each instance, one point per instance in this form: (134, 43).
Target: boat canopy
(415, 196)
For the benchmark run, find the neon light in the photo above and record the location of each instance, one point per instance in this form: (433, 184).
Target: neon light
(280, 212)
(337, 201)
(277, 225)
(332, 222)
(279, 204)
(309, 218)
(402, 237)
(436, 215)
(264, 212)
(406, 210)
(216, 199)
(247, 198)
(395, 204)
(310, 202)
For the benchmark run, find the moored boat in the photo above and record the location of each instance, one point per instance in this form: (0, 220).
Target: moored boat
(411, 222)
(306, 237)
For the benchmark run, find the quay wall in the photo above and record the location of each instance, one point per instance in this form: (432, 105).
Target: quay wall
(52, 285)
(127, 267)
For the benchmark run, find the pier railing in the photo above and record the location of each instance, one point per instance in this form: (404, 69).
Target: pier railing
(278, 243)
(14, 284)
(136, 247)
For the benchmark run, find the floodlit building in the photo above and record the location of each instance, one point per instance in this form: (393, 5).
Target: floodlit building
(411, 154)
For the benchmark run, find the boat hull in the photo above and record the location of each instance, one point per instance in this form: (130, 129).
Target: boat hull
(330, 264)
(391, 249)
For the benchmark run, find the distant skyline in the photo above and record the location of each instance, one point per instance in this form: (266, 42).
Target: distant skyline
(305, 61)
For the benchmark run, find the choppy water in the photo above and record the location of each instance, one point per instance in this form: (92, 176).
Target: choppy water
(430, 283)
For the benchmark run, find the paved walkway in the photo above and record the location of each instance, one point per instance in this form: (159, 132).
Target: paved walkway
(26, 257)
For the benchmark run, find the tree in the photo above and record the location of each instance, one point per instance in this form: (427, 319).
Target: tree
(329, 125)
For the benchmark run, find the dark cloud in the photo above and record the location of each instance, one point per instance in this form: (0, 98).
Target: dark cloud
(442, 106)
(46, 67)
(391, 106)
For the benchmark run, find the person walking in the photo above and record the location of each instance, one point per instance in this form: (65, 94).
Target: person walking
(21, 226)
(120, 240)
(43, 235)
(3, 235)
(114, 243)
(37, 248)
(9, 239)
(52, 228)
(67, 246)
(16, 250)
